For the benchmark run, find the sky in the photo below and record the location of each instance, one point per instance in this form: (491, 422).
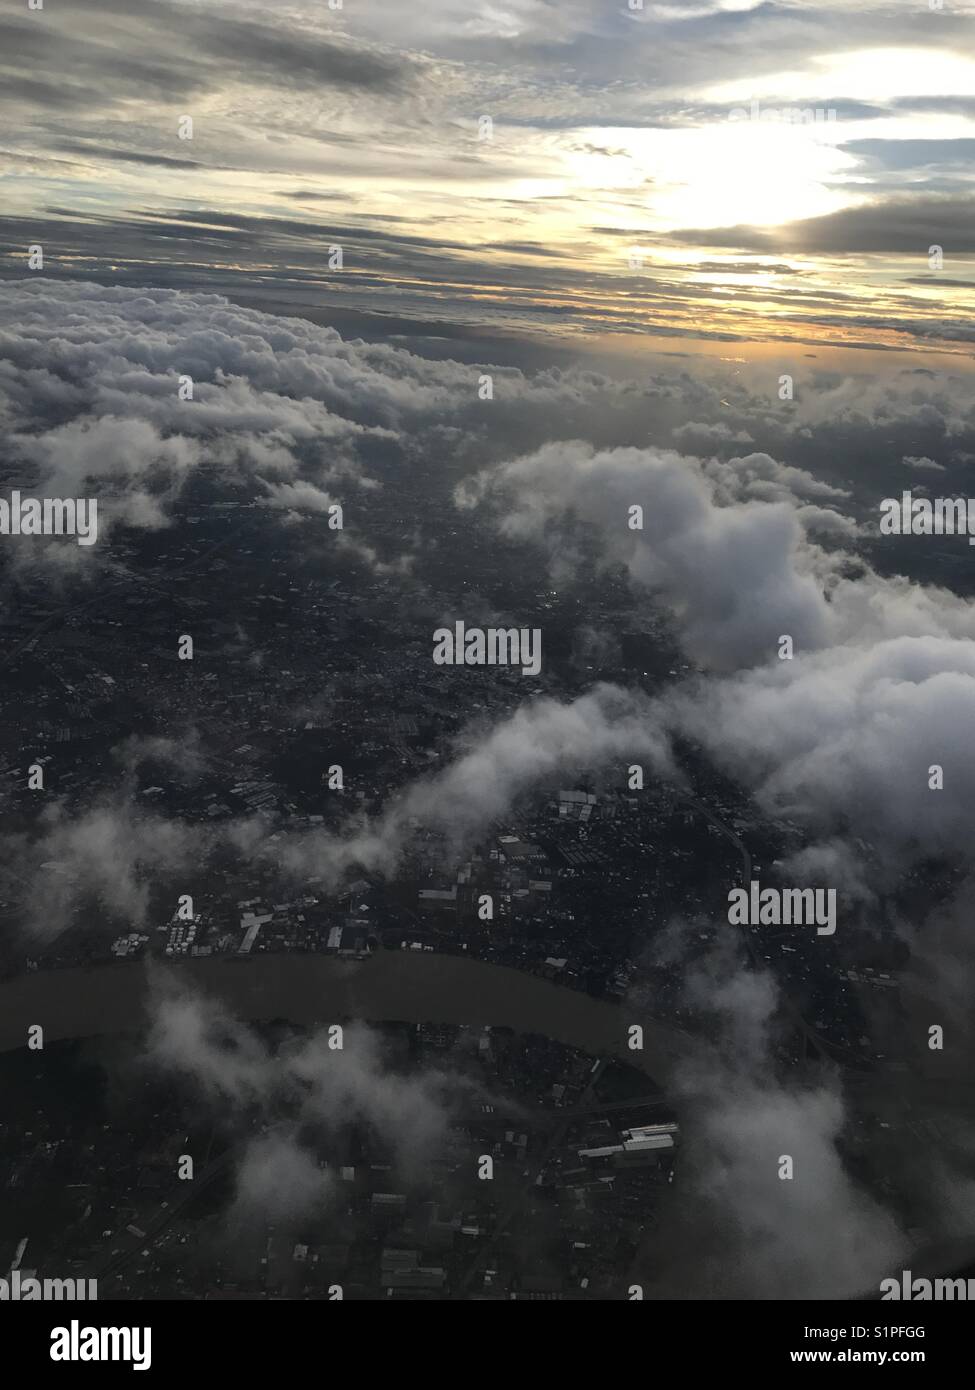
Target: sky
(591, 168)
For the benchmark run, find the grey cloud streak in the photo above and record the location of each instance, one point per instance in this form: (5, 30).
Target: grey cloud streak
(192, 50)
(905, 225)
(304, 1084)
(740, 1229)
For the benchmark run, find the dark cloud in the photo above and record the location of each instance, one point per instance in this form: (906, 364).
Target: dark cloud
(192, 49)
(913, 154)
(904, 226)
(125, 156)
(937, 105)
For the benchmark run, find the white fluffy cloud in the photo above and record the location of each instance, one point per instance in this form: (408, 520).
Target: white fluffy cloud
(737, 575)
(881, 687)
(95, 400)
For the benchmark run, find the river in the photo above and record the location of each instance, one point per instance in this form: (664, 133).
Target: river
(401, 986)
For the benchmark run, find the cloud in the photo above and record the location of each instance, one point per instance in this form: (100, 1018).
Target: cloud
(177, 51)
(906, 225)
(737, 577)
(284, 408)
(542, 741)
(696, 433)
(375, 114)
(278, 1180)
(815, 1234)
(923, 463)
(108, 853)
(735, 1226)
(77, 459)
(184, 756)
(844, 739)
(304, 1087)
(841, 738)
(125, 395)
